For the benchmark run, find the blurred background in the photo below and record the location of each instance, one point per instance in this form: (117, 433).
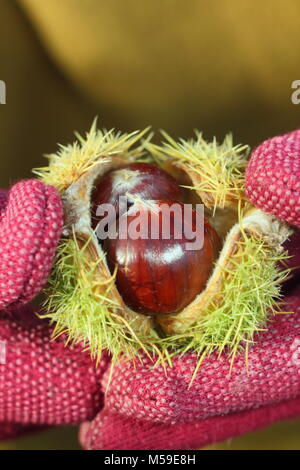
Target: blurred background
(218, 66)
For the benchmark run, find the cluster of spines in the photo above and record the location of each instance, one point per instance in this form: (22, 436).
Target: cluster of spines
(73, 160)
(230, 324)
(220, 167)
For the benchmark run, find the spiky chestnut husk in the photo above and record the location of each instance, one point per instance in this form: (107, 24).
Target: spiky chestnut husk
(243, 290)
(272, 177)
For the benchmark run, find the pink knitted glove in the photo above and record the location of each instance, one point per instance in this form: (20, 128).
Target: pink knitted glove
(12, 431)
(147, 409)
(42, 382)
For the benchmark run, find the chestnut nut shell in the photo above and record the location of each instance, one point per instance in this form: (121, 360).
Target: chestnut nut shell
(161, 276)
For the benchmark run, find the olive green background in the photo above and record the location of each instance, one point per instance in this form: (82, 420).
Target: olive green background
(219, 66)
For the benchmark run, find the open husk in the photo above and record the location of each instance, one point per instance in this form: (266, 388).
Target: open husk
(243, 290)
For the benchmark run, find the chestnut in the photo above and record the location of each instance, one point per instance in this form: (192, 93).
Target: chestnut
(161, 275)
(143, 180)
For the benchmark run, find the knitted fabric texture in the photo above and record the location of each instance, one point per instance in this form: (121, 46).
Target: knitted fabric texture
(147, 393)
(273, 177)
(30, 226)
(144, 397)
(42, 381)
(116, 432)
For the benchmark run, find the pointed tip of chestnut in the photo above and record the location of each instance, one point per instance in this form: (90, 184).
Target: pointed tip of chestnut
(161, 275)
(140, 179)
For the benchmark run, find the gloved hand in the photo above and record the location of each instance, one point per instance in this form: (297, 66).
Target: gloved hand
(145, 408)
(42, 382)
(46, 383)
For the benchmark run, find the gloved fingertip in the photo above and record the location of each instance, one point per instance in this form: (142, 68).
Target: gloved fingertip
(30, 229)
(273, 177)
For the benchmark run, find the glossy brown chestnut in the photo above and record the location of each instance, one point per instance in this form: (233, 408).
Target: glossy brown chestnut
(161, 276)
(142, 180)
